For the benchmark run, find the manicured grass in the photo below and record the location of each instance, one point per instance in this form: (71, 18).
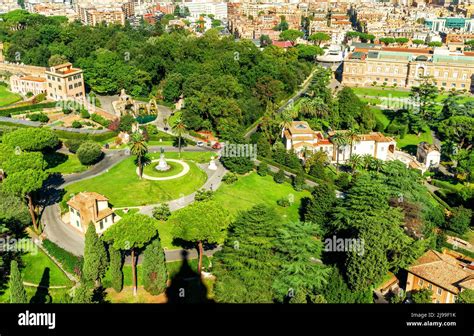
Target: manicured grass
(123, 187)
(175, 168)
(381, 117)
(410, 141)
(35, 270)
(7, 97)
(254, 189)
(57, 294)
(379, 92)
(174, 118)
(64, 164)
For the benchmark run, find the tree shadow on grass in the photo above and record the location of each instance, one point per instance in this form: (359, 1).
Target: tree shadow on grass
(42, 294)
(54, 159)
(187, 286)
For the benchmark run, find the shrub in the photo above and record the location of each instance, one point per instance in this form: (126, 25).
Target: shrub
(237, 164)
(41, 117)
(85, 114)
(203, 195)
(262, 169)
(283, 202)
(76, 124)
(229, 178)
(73, 144)
(162, 212)
(70, 262)
(279, 177)
(89, 153)
(100, 120)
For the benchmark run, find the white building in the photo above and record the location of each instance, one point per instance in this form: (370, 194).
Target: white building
(428, 155)
(28, 84)
(300, 137)
(218, 9)
(88, 208)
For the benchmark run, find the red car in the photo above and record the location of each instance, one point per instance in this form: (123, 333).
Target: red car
(217, 146)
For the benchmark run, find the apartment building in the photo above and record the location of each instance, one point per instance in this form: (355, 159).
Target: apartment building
(28, 84)
(405, 67)
(443, 274)
(301, 138)
(8, 5)
(64, 82)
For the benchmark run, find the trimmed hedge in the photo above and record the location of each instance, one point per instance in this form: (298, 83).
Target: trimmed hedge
(69, 261)
(26, 108)
(145, 119)
(86, 136)
(458, 249)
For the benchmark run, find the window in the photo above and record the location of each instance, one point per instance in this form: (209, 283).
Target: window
(439, 291)
(420, 282)
(463, 85)
(101, 225)
(443, 84)
(77, 223)
(453, 85)
(430, 286)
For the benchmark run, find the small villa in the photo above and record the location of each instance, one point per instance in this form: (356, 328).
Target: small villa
(442, 273)
(428, 155)
(300, 137)
(90, 207)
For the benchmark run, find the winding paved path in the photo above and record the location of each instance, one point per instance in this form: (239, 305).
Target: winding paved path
(72, 240)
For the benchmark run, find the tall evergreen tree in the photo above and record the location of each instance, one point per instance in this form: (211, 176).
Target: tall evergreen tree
(302, 273)
(318, 208)
(248, 263)
(116, 269)
(154, 268)
(95, 256)
(17, 290)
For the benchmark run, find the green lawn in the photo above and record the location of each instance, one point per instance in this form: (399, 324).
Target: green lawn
(253, 189)
(379, 92)
(174, 118)
(123, 187)
(175, 168)
(64, 164)
(7, 97)
(410, 141)
(37, 268)
(381, 117)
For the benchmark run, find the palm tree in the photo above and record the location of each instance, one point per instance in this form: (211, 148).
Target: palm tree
(352, 136)
(340, 140)
(355, 161)
(367, 160)
(179, 129)
(285, 120)
(314, 107)
(139, 148)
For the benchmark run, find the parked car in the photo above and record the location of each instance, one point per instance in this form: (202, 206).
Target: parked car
(200, 143)
(217, 145)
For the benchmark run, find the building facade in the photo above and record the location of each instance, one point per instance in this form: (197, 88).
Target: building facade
(404, 67)
(28, 84)
(88, 208)
(443, 274)
(301, 138)
(64, 82)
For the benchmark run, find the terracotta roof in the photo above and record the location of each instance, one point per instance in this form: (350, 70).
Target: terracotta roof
(282, 44)
(444, 271)
(302, 144)
(33, 79)
(300, 127)
(86, 204)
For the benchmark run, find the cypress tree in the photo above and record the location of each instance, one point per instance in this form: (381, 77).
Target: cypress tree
(154, 268)
(17, 290)
(116, 269)
(95, 257)
(83, 294)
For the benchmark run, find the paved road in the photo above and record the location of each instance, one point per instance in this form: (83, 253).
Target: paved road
(292, 100)
(73, 241)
